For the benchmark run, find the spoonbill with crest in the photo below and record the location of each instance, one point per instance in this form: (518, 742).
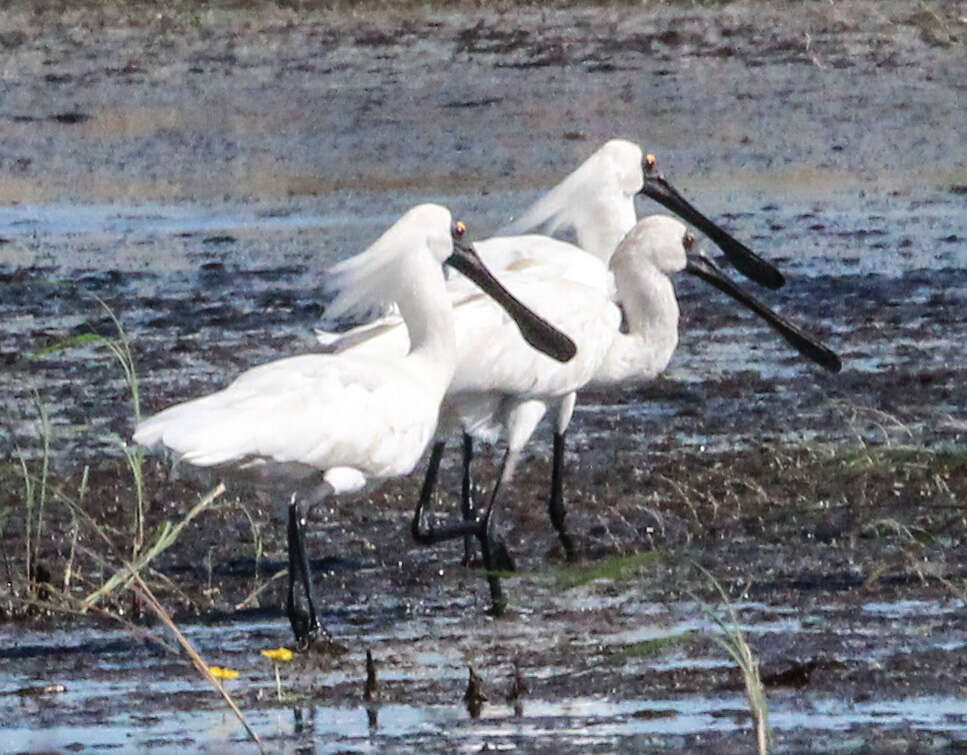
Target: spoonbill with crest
(322, 425)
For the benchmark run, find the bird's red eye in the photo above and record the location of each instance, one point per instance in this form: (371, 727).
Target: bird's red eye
(459, 228)
(650, 163)
(688, 241)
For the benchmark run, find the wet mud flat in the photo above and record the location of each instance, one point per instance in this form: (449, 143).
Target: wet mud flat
(198, 170)
(849, 593)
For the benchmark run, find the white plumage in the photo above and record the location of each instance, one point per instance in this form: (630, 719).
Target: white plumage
(498, 387)
(502, 385)
(327, 423)
(596, 202)
(493, 363)
(298, 417)
(294, 418)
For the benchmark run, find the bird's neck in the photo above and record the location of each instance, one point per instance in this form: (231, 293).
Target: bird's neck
(600, 226)
(428, 314)
(651, 310)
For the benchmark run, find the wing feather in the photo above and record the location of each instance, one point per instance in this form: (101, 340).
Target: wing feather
(316, 410)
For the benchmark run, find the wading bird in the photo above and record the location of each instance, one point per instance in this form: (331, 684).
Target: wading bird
(595, 205)
(638, 350)
(322, 425)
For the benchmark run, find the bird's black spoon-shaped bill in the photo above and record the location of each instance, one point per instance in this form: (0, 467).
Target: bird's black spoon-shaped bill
(747, 262)
(805, 344)
(537, 331)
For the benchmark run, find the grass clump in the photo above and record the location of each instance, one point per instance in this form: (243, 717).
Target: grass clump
(96, 544)
(35, 494)
(102, 544)
(732, 640)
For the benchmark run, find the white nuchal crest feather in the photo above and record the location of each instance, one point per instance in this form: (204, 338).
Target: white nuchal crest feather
(613, 170)
(361, 284)
(365, 285)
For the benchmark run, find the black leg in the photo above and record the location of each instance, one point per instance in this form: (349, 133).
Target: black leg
(466, 497)
(305, 625)
(491, 547)
(425, 533)
(501, 559)
(297, 618)
(417, 529)
(556, 504)
(496, 556)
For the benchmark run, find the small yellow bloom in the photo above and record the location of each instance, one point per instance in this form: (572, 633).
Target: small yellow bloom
(223, 673)
(280, 654)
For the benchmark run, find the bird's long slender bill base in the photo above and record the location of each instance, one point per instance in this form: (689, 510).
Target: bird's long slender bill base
(555, 506)
(702, 267)
(305, 623)
(537, 331)
(747, 262)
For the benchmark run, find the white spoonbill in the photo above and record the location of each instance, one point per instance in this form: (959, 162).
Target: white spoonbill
(595, 204)
(325, 424)
(655, 249)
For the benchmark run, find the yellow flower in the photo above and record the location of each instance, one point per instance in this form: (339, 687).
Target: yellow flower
(280, 654)
(223, 673)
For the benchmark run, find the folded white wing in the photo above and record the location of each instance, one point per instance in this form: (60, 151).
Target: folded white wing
(313, 410)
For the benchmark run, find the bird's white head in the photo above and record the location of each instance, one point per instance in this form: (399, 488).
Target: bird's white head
(595, 203)
(365, 282)
(657, 240)
(622, 160)
(432, 227)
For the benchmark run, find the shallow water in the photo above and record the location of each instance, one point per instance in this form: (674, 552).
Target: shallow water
(422, 671)
(199, 172)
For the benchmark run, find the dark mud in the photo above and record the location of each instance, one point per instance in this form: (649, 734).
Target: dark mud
(198, 169)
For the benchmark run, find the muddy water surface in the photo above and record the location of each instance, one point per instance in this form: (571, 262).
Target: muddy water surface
(198, 170)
